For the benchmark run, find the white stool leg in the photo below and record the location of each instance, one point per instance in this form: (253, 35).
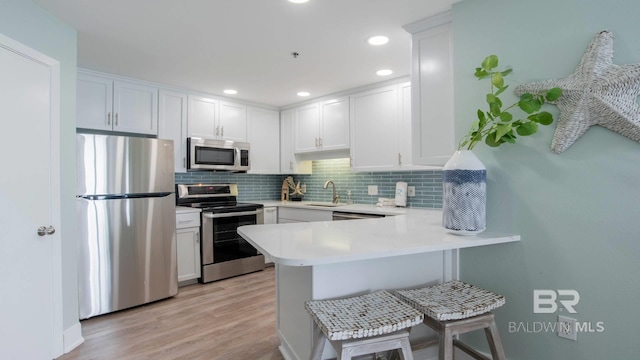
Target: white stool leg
(493, 337)
(406, 353)
(318, 346)
(446, 345)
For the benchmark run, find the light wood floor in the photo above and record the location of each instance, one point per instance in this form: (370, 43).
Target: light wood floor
(232, 319)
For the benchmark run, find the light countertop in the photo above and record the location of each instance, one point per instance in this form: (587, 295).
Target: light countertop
(356, 208)
(411, 231)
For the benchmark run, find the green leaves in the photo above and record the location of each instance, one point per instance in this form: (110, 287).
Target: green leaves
(490, 62)
(529, 104)
(544, 118)
(497, 80)
(553, 94)
(498, 126)
(528, 128)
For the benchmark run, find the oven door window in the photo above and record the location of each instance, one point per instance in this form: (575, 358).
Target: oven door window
(227, 244)
(214, 156)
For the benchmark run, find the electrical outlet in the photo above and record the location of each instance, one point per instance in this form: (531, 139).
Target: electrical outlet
(303, 188)
(567, 328)
(411, 191)
(372, 190)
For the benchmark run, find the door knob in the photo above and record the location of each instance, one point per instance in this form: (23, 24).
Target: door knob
(43, 230)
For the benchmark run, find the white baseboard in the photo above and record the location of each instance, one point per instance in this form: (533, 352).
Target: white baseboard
(72, 337)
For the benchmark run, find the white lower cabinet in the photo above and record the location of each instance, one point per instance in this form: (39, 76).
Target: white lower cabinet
(270, 217)
(188, 246)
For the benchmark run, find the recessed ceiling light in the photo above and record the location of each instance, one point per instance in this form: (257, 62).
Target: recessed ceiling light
(303, 93)
(384, 72)
(298, 1)
(378, 40)
(230, 92)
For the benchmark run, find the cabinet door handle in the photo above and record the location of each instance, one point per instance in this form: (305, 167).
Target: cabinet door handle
(399, 159)
(222, 131)
(320, 141)
(217, 130)
(184, 162)
(197, 235)
(44, 230)
(116, 119)
(109, 118)
(290, 165)
(316, 142)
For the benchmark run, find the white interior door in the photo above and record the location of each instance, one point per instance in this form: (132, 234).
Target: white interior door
(30, 296)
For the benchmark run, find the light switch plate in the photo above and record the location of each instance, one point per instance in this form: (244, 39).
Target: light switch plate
(411, 191)
(372, 190)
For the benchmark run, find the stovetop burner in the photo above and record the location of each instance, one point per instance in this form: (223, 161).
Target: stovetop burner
(214, 198)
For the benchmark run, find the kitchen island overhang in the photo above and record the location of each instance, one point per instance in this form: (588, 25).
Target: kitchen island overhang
(323, 260)
(327, 242)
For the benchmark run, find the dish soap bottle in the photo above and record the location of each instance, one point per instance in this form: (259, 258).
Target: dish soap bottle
(349, 200)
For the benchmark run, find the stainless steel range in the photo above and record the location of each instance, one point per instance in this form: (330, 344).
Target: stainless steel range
(223, 253)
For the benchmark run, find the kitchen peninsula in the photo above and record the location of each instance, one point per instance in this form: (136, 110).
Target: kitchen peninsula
(322, 260)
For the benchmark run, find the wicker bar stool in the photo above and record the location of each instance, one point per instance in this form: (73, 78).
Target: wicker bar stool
(455, 307)
(364, 324)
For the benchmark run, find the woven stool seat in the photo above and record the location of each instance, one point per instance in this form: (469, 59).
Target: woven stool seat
(363, 324)
(454, 308)
(453, 300)
(373, 314)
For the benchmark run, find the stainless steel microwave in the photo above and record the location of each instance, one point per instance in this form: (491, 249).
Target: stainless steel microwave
(217, 155)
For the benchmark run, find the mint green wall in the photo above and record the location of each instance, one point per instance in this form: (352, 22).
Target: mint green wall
(31, 25)
(577, 212)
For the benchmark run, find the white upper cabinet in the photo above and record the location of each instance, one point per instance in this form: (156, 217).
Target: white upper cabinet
(203, 117)
(375, 129)
(288, 162)
(233, 121)
(307, 128)
(211, 118)
(105, 103)
(264, 138)
(322, 126)
(381, 129)
(432, 86)
(172, 124)
(334, 130)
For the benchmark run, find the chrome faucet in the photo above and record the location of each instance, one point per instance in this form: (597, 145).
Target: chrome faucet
(336, 197)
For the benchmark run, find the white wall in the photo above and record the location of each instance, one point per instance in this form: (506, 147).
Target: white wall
(31, 25)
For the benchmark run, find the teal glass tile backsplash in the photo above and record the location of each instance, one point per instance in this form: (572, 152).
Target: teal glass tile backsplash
(428, 184)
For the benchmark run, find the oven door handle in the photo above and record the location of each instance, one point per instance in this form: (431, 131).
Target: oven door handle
(231, 214)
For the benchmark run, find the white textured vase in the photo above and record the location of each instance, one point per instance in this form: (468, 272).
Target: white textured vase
(464, 194)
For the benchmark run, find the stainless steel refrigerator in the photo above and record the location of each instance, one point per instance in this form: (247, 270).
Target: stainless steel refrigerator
(126, 217)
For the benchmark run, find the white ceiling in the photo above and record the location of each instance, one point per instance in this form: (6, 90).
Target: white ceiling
(212, 45)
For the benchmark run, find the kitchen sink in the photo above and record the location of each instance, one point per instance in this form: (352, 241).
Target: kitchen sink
(323, 204)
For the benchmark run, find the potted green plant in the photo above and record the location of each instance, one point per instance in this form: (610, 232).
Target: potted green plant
(464, 175)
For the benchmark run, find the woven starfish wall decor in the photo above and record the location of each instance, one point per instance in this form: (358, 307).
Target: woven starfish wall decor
(597, 93)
